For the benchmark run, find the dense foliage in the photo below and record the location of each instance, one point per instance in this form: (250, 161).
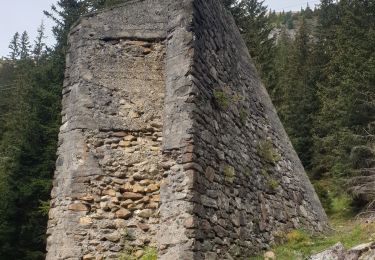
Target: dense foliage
(325, 93)
(318, 65)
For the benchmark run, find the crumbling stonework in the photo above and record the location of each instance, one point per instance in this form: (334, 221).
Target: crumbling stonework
(170, 141)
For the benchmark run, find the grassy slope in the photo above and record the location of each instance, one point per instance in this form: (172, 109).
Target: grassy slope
(346, 228)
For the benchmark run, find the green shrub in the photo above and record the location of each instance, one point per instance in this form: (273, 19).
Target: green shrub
(297, 236)
(324, 197)
(267, 152)
(360, 156)
(222, 99)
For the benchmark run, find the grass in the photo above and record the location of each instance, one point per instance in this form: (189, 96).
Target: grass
(268, 152)
(222, 99)
(298, 244)
(150, 253)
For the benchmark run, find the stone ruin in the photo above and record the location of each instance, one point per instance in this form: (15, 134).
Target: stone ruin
(170, 141)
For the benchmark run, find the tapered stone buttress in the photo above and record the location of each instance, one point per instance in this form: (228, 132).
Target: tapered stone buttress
(170, 143)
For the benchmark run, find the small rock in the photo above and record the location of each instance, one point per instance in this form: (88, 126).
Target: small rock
(127, 187)
(145, 182)
(138, 177)
(139, 253)
(98, 143)
(110, 192)
(78, 207)
(123, 213)
(119, 134)
(132, 195)
(155, 198)
(152, 188)
(210, 173)
(157, 125)
(87, 198)
(269, 255)
(88, 257)
(85, 221)
(144, 227)
(145, 213)
(130, 138)
(114, 237)
(125, 144)
(153, 205)
(120, 223)
(104, 205)
(127, 202)
(138, 188)
(189, 222)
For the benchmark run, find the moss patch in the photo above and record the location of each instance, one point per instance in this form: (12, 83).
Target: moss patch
(273, 184)
(229, 173)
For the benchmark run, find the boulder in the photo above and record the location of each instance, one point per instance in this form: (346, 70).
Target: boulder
(338, 252)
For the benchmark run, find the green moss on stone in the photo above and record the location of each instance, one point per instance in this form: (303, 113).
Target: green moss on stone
(273, 184)
(229, 173)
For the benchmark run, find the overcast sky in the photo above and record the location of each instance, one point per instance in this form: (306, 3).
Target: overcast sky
(21, 15)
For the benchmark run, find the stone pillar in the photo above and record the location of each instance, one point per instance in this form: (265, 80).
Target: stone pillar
(170, 141)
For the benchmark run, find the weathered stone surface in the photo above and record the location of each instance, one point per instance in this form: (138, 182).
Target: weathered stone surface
(167, 125)
(113, 98)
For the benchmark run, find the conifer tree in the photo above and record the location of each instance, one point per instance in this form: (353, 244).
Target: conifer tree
(24, 46)
(39, 44)
(256, 28)
(14, 46)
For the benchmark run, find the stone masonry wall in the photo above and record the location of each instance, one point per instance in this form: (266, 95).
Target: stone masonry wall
(250, 184)
(106, 196)
(169, 140)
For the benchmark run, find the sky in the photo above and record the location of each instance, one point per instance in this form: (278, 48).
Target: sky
(27, 15)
